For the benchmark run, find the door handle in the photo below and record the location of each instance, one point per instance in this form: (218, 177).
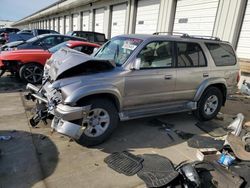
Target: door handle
(168, 77)
(205, 75)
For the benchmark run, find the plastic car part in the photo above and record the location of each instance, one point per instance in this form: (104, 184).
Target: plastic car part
(190, 175)
(236, 125)
(238, 147)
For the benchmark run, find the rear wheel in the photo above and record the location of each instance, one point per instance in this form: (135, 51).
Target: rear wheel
(31, 73)
(100, 122)
(2, 71)
(209, 104)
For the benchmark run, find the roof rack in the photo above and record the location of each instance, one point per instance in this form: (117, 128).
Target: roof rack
(185, 35)
(172, 33)
(203, 37)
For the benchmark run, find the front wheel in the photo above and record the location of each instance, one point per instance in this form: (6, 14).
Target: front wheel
(209, 104)
(100, 122)
(31, 73)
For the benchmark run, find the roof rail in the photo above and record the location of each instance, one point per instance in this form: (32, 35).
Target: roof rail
(172, 33)
(203, 37)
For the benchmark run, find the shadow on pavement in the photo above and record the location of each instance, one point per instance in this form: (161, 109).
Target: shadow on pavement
(11, 84)
(136, 134)
(20, 160)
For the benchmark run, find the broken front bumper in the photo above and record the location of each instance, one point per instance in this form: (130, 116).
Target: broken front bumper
(64, 115)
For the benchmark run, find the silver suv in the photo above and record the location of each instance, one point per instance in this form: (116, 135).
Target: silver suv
(133, 76)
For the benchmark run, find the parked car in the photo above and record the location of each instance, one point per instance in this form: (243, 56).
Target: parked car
(4, 32)
(91, 36)
(44, 41)
(28, 64)
(28, 34)
(134, 76)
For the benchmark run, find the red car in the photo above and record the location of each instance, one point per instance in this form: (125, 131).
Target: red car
(28, 64)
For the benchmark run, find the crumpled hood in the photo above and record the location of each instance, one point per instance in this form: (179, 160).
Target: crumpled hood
(67, 62)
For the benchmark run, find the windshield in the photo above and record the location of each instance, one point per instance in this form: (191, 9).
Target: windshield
(57, 47)
(118, 49)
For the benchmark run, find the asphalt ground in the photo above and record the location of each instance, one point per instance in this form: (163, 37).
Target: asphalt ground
(35, 157)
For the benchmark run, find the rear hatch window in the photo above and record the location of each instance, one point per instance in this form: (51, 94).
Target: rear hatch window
(222, 54)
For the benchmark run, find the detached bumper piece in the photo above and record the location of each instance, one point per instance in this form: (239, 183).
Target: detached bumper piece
(64, 115)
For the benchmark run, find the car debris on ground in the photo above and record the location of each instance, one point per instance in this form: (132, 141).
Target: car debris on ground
(218, 164)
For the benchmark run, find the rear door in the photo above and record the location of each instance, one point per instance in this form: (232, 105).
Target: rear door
(192, 69)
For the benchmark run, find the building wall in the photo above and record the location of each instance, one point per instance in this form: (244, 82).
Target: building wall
(227, 23)
(5, 23)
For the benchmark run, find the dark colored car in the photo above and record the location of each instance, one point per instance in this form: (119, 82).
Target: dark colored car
(28, 63)
(91, 36)
(44, 41)
(28, 34)
(4, 32)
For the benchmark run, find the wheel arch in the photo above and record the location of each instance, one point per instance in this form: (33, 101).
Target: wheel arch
(219, 83)
(109, 96)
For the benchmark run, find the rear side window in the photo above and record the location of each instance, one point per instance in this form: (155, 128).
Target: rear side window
(190, 55)
(222, 54)
(99, 38)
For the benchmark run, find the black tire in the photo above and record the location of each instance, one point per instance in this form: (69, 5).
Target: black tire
(26, 71)
(110, 108)
(200, 113)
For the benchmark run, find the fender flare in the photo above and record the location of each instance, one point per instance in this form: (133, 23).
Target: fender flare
(87, 91)
(205, 84)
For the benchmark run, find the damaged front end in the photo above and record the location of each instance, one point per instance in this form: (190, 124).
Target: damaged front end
(59, 72)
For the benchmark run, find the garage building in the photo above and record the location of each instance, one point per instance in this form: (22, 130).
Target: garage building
(227, 19)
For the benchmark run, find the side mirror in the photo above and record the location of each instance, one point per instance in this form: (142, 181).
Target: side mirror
(136, 64)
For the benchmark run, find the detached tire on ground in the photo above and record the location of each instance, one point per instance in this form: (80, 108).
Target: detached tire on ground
(209, 104)
(31, 73)
(100, 122)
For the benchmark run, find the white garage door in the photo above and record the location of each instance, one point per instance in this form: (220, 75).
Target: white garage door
(51, 24)
(85, 21)
(243, 48)
(61, 26)
(118, 19)
(75, 22)
(56, 24)
(147, 16)
(195, 17)
(99, 19)
(67, 24)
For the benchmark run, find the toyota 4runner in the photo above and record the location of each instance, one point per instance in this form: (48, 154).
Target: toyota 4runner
(134, 76)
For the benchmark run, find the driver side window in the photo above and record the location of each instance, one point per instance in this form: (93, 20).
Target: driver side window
(156, 55)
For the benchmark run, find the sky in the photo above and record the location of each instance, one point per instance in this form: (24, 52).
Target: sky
(17, 9)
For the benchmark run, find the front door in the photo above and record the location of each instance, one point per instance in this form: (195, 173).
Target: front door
(154, 82)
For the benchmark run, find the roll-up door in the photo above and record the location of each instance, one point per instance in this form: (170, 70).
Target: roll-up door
(147, 16)
(99, 20)
(243, 47)
(118, 19)
(56, 24)
(195, 17)
(61, 26)
(85, 21)
(75, 22)
(67, 24)
(51, 24)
